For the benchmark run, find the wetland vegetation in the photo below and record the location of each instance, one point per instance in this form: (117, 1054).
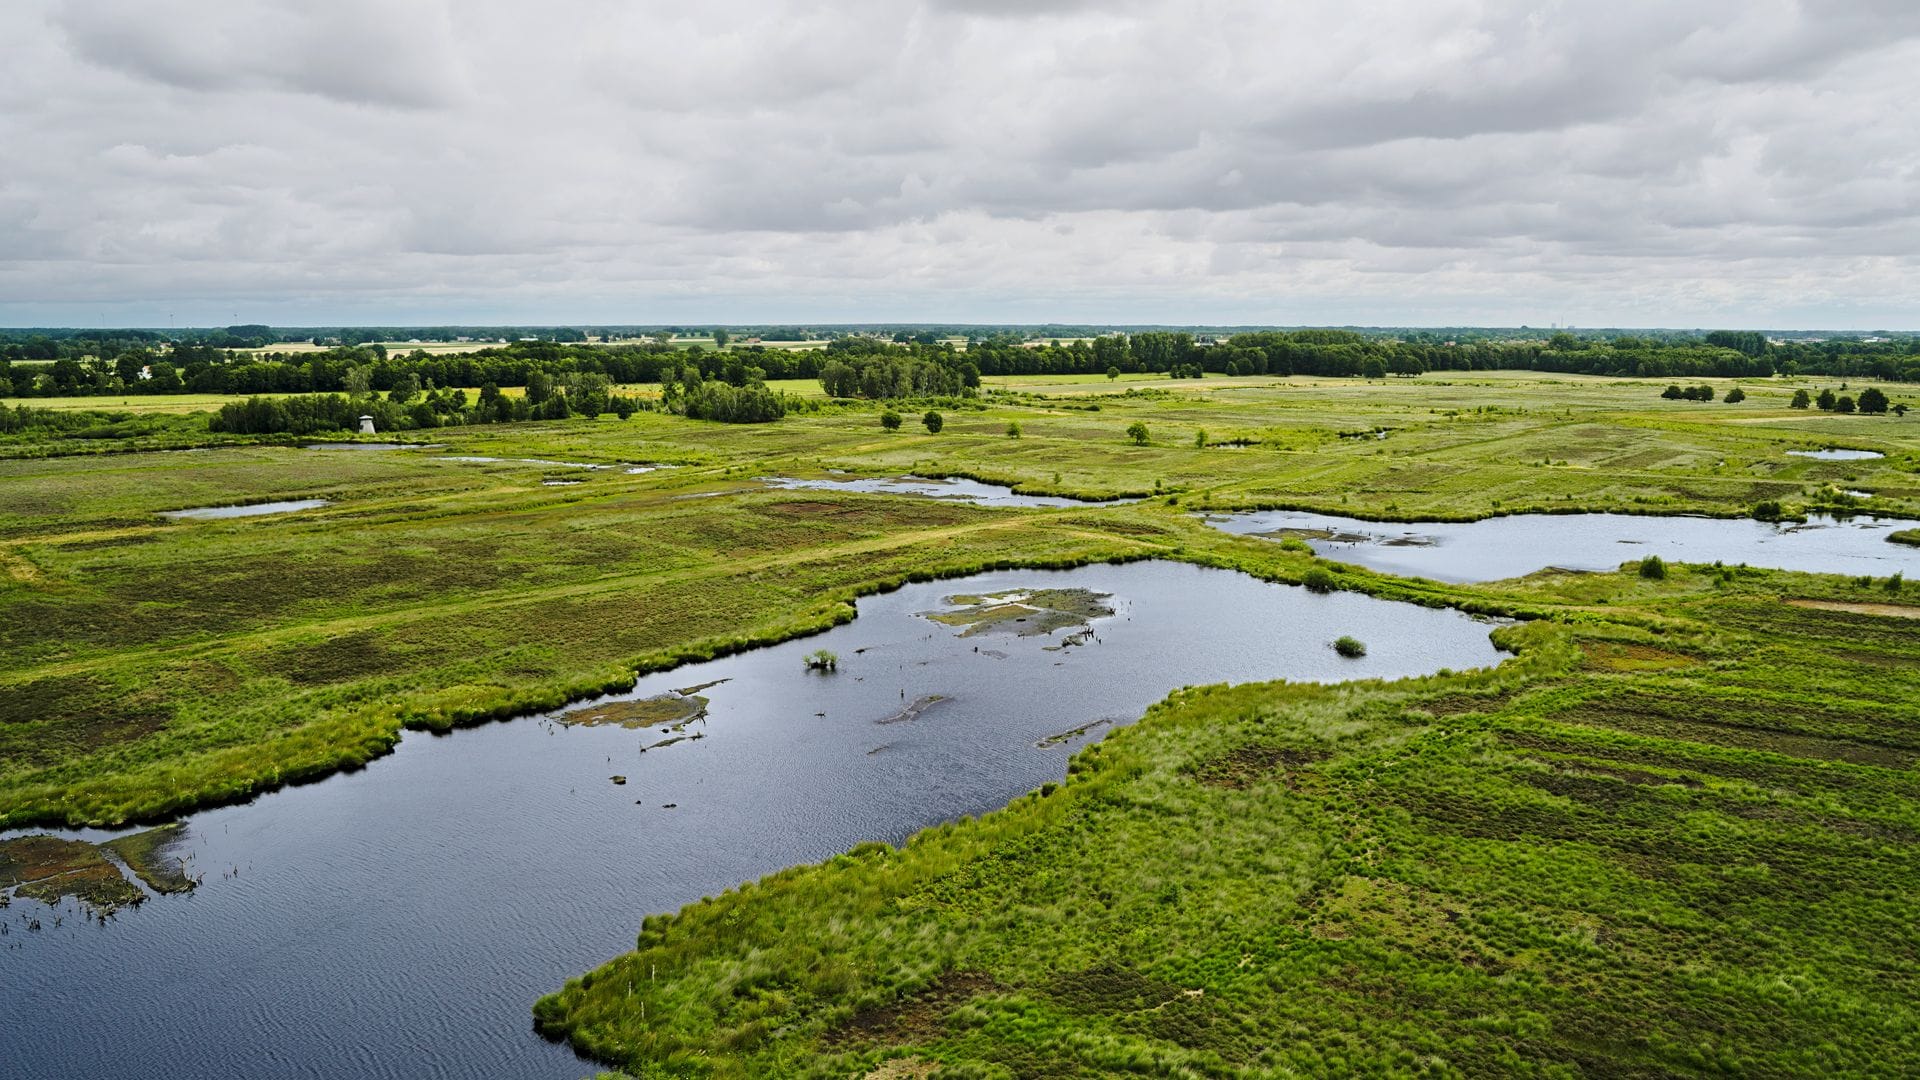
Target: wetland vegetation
(1674, 834)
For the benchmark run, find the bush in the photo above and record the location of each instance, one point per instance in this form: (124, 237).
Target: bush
(1653, 568)
(1768, 510)
(1349, 646)
(1801, 400)
(1137, 431)
(1735, 394)
(823, 660)
(1013, 429)
(1320, 581)
(934, 422)
(890, 420)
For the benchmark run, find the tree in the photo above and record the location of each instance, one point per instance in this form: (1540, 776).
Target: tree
(1826, 400)
(890, 420)
(1137, 431)
(1653, 568)
(1113, 373)
(1200, 439)
(1374, 368)
(1843, 404)
(1900, 409)
(720, 339)
(1801, 399)
(1735, 394)
(539, 387)
(1873, 400)
(587, 393)
(1013, 429)
(405, 389)
(1673, 392)
(934, 422)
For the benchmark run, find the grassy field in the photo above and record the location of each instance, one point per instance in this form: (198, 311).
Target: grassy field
(1674, 836)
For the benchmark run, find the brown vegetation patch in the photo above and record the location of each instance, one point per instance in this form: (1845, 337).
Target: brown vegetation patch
(1245, 766)
(1890, 611)
(1801, 729)
(43, 719)
(919, 1018)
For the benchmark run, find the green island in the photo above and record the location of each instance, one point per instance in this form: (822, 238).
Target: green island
(1675, 833)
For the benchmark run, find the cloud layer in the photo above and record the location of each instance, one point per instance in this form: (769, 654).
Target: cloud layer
(1721, 162)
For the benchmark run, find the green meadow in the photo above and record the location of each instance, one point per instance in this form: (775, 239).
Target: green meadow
(1674, 834)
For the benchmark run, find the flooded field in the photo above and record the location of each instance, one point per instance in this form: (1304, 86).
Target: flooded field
(400, 920)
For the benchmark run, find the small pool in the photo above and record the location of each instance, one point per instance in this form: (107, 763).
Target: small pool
(202, 513)
(959, 490)
(1837, 453)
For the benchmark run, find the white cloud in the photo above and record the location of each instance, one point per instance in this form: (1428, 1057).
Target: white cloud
(1738, 162)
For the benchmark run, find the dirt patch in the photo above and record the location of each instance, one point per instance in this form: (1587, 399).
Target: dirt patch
(916, 1019)
(1891, 611)
(674, 711)
(1245, 766)
(1026, 613)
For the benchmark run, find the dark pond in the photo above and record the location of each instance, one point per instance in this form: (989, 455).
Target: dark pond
(960, 490)
(250, 510)
(1507, 547)
(401, 920)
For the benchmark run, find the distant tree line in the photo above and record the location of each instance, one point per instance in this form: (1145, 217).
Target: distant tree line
(137, 362)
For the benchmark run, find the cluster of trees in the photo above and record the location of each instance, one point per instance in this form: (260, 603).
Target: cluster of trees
(1703, 392)
(1872, 401)
(887, 378)
(686, 392)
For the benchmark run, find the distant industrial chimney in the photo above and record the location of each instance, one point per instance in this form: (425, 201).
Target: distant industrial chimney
(366, 425)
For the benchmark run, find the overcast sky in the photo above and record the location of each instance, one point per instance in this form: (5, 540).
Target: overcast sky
(1629, 162)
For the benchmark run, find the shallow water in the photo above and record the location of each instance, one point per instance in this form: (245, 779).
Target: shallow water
(400, 921)
(1514, 546)
(369, 446)
(250, 510)
(1838, 454)
(957, 489)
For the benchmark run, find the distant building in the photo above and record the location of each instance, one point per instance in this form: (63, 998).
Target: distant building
(366, 425)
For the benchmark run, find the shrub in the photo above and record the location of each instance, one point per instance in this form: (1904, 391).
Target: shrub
(1320, 581)
(934, 422)
(1843, 404)
(823, 660)
(1200, 439)
(1801, 400)
(1768, 510)
(1013, 429)
(1653, 568)
(1137, 431)
(1735, 394)
(1350, 647)
(890, 420)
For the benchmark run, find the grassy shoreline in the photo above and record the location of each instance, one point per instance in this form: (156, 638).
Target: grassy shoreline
(1500, 853)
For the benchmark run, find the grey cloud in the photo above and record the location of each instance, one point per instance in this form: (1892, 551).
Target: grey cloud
(1490, 160)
